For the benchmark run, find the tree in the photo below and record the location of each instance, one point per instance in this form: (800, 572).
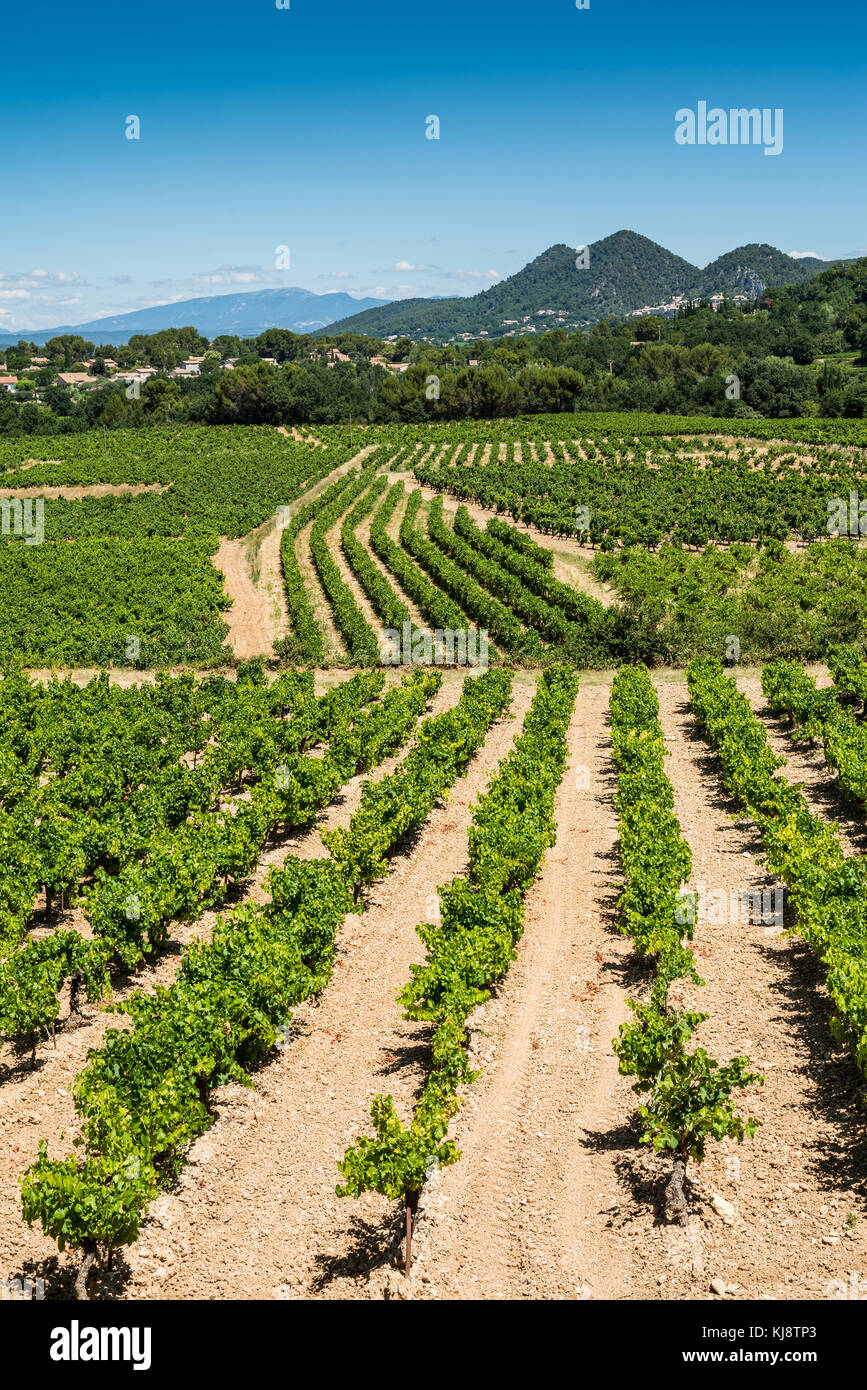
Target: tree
(276, 342)
(227, 345)
(69, 347)
(242, 395)
(161, 397)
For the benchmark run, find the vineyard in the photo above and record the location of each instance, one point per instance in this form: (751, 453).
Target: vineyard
(408, 876)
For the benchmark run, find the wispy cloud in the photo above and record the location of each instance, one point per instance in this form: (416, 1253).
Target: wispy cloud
(38, 290)
(39, 279)
(262, 276)
(474, 275)
(404, 266)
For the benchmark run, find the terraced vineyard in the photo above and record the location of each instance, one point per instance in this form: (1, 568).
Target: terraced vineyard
(456, 944)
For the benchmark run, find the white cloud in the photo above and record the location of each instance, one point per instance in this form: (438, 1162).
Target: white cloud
(39, 279)
(264, 276)
(798, 255)
(15, 294)
(231, 277)
(340, 275)
(404, 265)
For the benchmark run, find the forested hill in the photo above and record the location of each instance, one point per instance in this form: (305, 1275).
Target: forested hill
(625, 273)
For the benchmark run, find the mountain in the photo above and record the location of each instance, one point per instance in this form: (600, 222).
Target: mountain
(626, 274)
(246, 315)
(752, 268)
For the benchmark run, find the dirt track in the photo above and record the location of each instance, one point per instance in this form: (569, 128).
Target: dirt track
(253, 579)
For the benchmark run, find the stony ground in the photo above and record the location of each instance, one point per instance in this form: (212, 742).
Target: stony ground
(553, 1197)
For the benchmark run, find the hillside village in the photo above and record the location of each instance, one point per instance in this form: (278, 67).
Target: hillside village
(35, 372)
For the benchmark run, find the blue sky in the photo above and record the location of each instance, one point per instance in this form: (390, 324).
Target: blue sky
(305, 127)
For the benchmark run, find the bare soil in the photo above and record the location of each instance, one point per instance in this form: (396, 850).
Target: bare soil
(553, 1196)
(73, 494)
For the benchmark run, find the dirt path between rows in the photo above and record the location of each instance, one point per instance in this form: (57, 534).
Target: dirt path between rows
(791, 1188)
(253, 579)
(526, 1211)
(251, 618)
(805, 763)
(263, 1179)
(296, 434)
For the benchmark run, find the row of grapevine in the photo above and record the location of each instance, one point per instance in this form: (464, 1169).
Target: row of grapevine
(190, 870)
(504, 627)
(501, 584)
(386, 603)
(689, 1094)
(362, 643)
(826, 888)
(849, 671)
(789, 690)
(90, 776)
(306, 641)
(521, 542)
(145, 1094)
(470, 948)
(394, 808)
(435, 606)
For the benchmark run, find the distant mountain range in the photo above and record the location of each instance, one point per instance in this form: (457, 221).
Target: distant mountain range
(625, 274)
(246, 315)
